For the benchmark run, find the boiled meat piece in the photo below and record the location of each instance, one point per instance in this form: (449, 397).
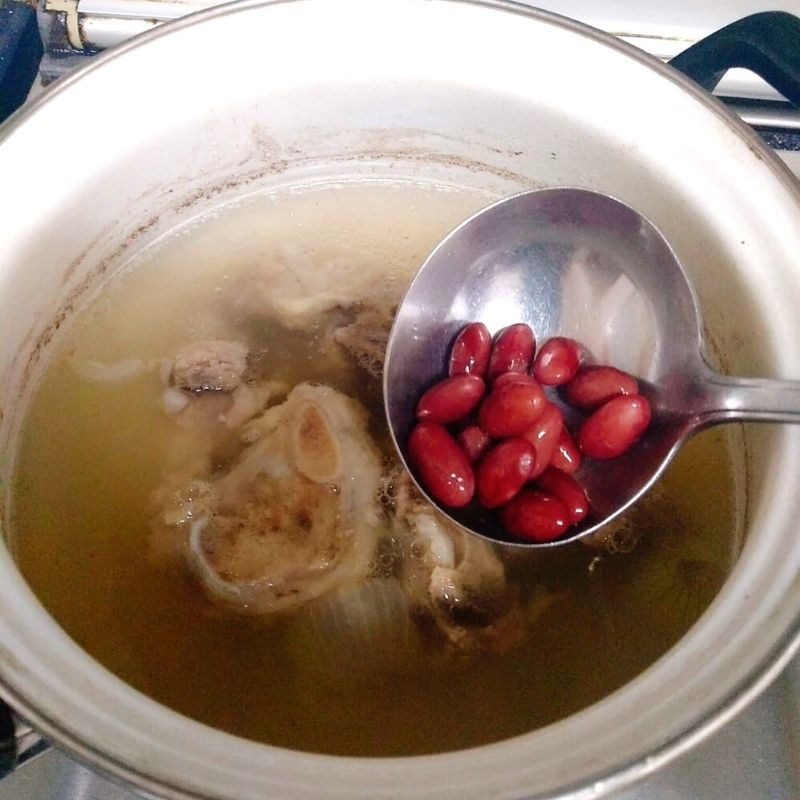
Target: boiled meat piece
(296, 287)
(297, 515)
(214, 366)
(205, 385)
(365, 338)
(455, 581)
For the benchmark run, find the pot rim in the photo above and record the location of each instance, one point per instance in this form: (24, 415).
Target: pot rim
(603, 782)
(613, 779)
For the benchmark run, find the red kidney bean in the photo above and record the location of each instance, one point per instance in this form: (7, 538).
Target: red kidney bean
(614, 427)
(470, 351)
(567, 490)
(512, 351)
(567, 456)
(474, 442)
(451, 399)
(511, 409)
(512, 377)
(443, 467)
(593, 386)
(544, 435)
(537, 516)
(557, 361)
(503, 472)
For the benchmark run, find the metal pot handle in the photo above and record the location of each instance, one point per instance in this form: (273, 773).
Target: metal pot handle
(767, 43)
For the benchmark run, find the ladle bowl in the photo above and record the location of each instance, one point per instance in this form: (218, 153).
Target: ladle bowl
(577, 263)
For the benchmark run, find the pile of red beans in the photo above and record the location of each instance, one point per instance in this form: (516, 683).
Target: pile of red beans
(490, 432)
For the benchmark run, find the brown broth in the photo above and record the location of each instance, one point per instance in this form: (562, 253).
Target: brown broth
(91, 455)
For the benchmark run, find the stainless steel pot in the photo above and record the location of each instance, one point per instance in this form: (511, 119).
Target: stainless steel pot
(489, 95)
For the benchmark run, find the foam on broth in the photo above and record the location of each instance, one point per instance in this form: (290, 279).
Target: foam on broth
(92, 453)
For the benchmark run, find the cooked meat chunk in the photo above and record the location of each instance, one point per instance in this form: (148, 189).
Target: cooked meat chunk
(295, 288)
(213, 366)
(455, 581)
(367, 336)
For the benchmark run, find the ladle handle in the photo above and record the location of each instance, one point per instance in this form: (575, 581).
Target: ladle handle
(722, 398)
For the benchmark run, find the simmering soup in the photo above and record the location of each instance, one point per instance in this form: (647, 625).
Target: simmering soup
(207, 500)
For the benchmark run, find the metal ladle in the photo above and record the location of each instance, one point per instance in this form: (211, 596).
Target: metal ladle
(573, 262)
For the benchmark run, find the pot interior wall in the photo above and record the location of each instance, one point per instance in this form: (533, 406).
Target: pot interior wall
(268, 115)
